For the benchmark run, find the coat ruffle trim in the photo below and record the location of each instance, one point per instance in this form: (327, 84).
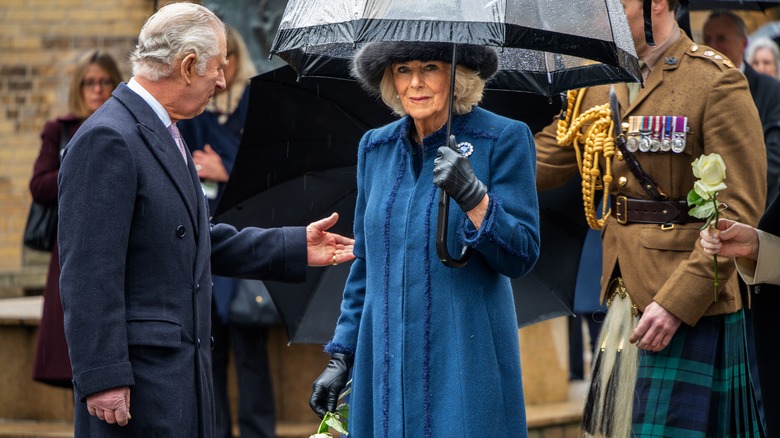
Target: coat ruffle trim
(334, 347)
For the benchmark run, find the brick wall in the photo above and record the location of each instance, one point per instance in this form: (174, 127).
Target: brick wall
(39, 40)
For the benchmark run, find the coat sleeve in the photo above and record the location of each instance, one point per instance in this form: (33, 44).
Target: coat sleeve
(261, 254)
(96, 202)
(509, 236)
(555, 164)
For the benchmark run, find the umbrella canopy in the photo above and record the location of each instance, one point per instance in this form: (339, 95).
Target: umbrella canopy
(295, 165)
(547, 46)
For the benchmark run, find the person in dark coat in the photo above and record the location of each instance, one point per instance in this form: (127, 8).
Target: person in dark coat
(94, 76)
(137, 250)
(757, 251)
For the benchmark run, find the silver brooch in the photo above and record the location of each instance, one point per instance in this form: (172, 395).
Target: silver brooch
(465, 148)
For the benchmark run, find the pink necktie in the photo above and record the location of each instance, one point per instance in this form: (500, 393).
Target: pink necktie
(179, 141)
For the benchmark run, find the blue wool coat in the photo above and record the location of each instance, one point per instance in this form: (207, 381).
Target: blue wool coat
(137, 252)
(436, 348)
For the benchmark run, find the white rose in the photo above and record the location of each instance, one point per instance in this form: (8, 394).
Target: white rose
(321, 435)
(712, 171)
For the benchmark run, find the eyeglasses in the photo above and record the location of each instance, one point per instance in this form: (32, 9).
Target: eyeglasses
(89, 83)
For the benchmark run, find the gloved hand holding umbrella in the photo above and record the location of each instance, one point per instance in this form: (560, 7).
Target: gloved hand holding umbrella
(452, 172)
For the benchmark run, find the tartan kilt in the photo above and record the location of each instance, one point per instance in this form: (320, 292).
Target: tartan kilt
(699, 385)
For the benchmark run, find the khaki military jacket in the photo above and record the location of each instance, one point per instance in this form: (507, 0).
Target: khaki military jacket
(667, 265)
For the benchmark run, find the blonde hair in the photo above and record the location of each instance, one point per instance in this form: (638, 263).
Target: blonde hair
(227, 100)
(469, 88)
(76, 104)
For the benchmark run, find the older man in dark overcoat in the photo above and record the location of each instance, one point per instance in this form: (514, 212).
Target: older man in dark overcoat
(137, 250)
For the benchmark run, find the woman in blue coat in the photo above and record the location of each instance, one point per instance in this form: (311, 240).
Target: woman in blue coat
(435, 349)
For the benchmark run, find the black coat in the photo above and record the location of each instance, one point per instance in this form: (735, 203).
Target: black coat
(137, 252)
(766, 302)
(766, 94)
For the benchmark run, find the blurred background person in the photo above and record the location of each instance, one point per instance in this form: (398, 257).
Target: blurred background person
(764, 56)
(727, 33)
(95, 75)
(213, 139)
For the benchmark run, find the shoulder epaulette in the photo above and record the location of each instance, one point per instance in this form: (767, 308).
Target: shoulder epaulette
(713, 56)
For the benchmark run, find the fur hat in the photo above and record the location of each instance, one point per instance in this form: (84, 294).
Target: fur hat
(371, 61)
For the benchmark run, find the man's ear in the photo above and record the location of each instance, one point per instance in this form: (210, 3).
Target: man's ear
(188, 67)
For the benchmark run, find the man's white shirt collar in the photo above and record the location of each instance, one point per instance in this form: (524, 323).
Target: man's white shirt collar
(149, 99)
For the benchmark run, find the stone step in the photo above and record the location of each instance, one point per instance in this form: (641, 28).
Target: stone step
(31, 429)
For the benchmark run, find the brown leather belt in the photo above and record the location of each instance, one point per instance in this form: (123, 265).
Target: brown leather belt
(642, 211)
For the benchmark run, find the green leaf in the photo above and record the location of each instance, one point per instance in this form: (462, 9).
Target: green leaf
(335, 424)
(324, 423)
(694, 198)
(702, 211)
(343, 411)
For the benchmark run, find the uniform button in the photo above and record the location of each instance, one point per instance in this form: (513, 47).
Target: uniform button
(619, 155)
(181, 231)
(622, 181)
(757, 289)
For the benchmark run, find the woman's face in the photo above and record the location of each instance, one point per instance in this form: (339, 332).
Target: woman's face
(424, 89)
(96, 86)
(764, 62)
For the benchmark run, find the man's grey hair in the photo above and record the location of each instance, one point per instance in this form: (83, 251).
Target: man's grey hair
(173, 32)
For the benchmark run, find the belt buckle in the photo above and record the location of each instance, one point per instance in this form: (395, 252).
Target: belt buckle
(621, 213)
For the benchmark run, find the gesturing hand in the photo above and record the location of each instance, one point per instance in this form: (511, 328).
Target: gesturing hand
(326, 248)
(111, 406)
(452, 172)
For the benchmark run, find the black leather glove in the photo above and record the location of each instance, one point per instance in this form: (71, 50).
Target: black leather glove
(328, 386)
(452, 172)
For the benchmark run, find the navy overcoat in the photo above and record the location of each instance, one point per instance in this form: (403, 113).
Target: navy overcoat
(137, 253)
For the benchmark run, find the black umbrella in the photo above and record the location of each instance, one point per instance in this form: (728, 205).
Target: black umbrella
(548, 290)
(547, 46)
(295, 165)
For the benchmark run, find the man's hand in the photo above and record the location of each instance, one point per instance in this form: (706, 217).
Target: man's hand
(209, 165)
(111, 406)
(655, 329)
(730, 239)
(326, 248)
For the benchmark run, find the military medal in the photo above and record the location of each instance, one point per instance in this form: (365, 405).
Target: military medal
(666, 142)
(679, 130)
(632, 144)
(655, 143)
(644, 142)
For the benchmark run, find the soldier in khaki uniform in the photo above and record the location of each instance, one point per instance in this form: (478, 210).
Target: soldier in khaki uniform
(652, 244)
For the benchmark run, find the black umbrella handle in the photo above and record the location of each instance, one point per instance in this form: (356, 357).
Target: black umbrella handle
(441, 236)
(444, 198)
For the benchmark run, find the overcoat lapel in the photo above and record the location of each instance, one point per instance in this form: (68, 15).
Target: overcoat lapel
(167, 153)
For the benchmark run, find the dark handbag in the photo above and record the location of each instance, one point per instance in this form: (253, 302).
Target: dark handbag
(40, 231)
(252, 305)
